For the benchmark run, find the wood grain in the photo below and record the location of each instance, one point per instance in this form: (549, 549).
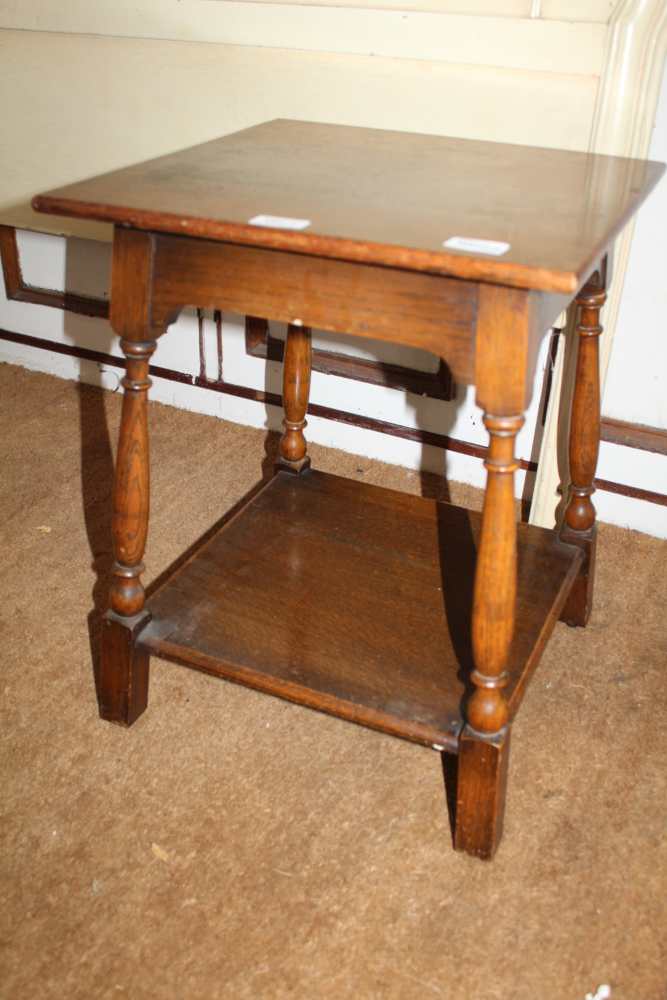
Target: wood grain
(579, 527)
(296, 390)
(397, 613)
(436, 385)
(375, 633)
(131, 494)
(123, 680)
(481, 790)
(122, 683)
(433, 313)
(495, 581)
(382, 197)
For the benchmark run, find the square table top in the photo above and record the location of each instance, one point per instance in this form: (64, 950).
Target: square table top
(382, 197)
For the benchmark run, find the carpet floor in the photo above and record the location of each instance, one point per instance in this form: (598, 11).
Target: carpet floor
(231, 845)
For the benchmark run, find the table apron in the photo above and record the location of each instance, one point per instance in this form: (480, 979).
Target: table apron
(430, 312)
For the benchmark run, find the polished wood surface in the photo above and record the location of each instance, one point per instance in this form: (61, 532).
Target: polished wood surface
(484, 743)
(495, 581)
(122, 682)
(579, 527)
(427, 311)
(130, 318)
(480, 793)
(409, 616)
(507, 335)
(261, 343)
(297, 366)
(382, 197)
(354, 600)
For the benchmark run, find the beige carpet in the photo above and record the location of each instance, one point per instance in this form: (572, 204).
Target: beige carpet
(233, 845)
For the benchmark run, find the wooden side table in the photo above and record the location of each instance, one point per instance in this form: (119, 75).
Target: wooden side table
(417, 618)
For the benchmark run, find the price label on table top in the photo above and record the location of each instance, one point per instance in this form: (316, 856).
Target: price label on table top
(278, 222)
(493, 247)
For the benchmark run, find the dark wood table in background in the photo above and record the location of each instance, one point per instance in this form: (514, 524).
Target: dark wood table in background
(417, 618)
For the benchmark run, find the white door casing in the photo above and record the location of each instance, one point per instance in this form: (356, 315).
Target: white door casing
(622, 125)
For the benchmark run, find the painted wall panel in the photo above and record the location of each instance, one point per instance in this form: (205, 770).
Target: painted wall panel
(636, 388)
(516, 42)
(72, 119)
(35, 14)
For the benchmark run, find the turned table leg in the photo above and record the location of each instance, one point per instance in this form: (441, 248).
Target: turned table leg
(579, 526)
(296, 390)
(122, 683)
(484, 742)
(123, 680)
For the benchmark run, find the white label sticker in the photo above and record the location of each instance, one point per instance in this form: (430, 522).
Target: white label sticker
(278, 222)
(493, 247)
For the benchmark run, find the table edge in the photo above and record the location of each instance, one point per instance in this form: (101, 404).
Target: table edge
(454, 265)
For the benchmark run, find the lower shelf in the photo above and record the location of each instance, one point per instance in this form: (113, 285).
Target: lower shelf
(354, 600)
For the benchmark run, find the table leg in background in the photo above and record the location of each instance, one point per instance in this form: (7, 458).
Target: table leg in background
(579, 526)
(297, 365)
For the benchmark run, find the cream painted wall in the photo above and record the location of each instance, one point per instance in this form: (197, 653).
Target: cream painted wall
(183, 19)
(76, 91)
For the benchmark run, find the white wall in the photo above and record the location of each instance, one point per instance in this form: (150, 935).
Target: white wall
(636, 388)
(76, 105)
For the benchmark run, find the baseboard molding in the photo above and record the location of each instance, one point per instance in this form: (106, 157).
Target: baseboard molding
(653, 439)
(18, 291)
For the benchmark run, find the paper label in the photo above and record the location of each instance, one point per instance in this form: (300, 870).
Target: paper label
(493, 247)
(278, 222)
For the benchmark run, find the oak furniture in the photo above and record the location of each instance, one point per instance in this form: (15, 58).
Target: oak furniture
(411, 616)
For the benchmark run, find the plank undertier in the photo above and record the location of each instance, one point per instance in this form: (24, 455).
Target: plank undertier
(354, 600)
